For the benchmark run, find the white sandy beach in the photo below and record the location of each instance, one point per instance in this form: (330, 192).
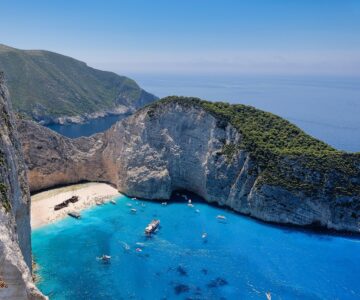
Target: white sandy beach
(42, 204)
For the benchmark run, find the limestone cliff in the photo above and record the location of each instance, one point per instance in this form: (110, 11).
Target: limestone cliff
(185, 144)
(15, 244)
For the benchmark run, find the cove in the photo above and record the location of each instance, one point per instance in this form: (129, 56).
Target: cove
(86, 129)
(240, 259)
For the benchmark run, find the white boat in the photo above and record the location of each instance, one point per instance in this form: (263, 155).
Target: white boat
(190, 205)
(204, 235)
(74, 214)
(164, 203)
(128, 204)
(133, 210)
(197, 210)
(152, 227)
(268, 295)
(104, 257)
(112, 202)
(221, 217)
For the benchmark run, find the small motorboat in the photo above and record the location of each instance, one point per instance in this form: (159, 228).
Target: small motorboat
(197, 210)
(221, 217)
(204, 235)
(190, 205)
(151, 228)
(134, 198)
(74, 214)
(105, 258)
(268, 295)
(128, 204)
(164, 203)
(133, 210)
(138, 250)
(113, 202)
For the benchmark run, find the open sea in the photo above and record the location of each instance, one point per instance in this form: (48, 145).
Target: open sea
(326, 107)
(240, 258)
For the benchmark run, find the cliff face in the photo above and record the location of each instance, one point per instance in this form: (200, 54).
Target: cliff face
(15, 244)
(173, 146)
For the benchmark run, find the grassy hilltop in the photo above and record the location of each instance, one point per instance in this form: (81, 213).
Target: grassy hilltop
(47, 84)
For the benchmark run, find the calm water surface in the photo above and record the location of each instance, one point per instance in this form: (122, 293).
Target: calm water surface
(328, 108)
(240, 259)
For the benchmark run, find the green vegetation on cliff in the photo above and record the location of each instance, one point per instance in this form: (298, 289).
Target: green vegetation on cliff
(45, 85)
(285, 154)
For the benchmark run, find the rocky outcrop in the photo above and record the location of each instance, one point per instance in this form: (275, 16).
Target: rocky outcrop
(15, 244)
(175, 146)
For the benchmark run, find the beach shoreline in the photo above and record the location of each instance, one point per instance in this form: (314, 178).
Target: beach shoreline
(42, 204)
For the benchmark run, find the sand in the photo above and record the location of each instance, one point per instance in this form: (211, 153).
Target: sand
(42, 204)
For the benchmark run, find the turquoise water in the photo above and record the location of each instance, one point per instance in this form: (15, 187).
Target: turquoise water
(240, 259)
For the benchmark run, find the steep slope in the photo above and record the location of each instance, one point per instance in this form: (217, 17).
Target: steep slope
(15, 244)
(254, 162)
(50, 87)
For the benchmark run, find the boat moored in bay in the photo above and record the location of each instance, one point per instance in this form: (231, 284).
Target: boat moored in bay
(74, 214)
(151, 228)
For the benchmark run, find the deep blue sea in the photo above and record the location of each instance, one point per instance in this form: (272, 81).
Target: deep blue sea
(240, 259)
(326, 107)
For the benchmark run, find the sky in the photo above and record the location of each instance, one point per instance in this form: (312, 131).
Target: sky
(192, 36)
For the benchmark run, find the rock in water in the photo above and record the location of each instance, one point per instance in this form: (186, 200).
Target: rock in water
(15, 244)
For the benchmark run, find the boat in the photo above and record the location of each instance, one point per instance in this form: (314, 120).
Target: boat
(268, 295)
(74, 214)
(73, 199)
(164, 203)
(61, 205)
(221, 217)
(152, 227)
(65, 203)
(190, 205)
(128, 204)
(197, 210)
(112, 202)
(133, 210)
(138, 249)
(104, 257)
(204, 235)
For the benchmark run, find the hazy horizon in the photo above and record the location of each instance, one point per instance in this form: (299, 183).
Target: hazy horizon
(160, 37)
